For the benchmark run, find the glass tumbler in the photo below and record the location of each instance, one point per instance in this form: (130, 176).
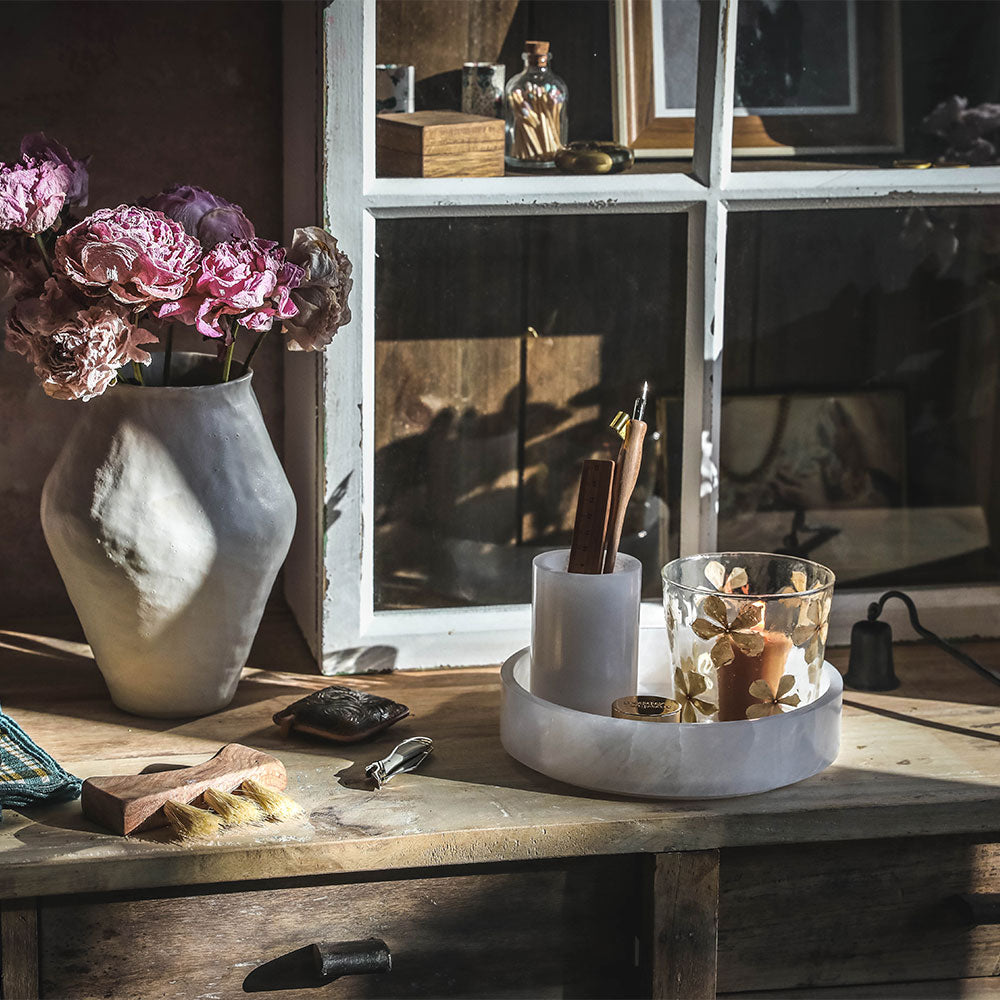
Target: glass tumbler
(747, 633)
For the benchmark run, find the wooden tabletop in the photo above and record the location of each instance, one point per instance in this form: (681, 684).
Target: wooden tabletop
(922, 759)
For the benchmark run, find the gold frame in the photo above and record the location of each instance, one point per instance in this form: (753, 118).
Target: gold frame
(875, 128)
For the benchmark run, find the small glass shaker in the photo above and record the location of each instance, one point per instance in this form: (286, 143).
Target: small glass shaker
(537, 119)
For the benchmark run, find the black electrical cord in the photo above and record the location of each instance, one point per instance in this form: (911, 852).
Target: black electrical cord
(875, 609)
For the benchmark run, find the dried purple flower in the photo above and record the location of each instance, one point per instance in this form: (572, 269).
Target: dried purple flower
(966, 130)
(39, 147)
(202, 214)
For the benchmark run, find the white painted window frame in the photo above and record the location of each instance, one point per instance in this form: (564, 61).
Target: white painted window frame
(330, 398)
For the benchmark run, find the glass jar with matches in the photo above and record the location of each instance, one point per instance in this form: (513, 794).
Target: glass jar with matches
(536, 112)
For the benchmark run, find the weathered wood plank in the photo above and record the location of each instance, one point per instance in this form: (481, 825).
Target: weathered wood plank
(921, 760)
(551, 931)
(866, 912)
(19, 948)
(682, 925)
(985, 988)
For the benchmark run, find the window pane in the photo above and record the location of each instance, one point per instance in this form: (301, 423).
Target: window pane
(860, 416)
(481, 425)
(859, 81)
(437, 36)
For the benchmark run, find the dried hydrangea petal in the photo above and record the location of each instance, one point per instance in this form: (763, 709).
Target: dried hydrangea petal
(715, 573)
(749, 616)
(715, 608)
(705, 629)
(750, 643)
(784, 686)
(722, 652)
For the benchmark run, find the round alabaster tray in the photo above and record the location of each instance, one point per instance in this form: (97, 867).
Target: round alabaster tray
(667, 760)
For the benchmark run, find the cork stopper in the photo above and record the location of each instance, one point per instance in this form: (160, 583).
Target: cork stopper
(536, 53)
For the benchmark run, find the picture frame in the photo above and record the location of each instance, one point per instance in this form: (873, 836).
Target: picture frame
(820, 77)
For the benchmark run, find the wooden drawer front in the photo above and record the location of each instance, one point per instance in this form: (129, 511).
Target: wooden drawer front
(866, 912)
(547, 931)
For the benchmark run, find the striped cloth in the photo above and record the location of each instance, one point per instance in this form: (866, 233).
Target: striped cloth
(28, 775)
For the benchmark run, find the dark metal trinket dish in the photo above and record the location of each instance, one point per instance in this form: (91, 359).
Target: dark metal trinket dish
(340, 714)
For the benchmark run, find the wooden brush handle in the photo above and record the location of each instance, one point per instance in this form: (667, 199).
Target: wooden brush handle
(593, 505)
(126, 803)
(626, 475)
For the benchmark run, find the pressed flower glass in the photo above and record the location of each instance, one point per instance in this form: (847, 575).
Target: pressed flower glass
(747, 633)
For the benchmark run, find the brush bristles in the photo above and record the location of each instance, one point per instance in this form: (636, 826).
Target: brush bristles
(274, 805)
(232, 809)
(189, 821)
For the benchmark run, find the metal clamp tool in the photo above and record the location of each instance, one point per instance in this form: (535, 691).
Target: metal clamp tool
(408, 756)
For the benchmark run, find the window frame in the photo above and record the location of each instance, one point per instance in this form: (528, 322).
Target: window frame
(329, 398)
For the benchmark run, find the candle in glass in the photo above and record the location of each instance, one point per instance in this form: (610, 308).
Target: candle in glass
(734, 679)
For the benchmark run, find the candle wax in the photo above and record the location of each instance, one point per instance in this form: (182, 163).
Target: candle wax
(735, 678)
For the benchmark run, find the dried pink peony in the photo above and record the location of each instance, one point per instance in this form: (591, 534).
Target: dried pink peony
(76, 349)
(249, 280)
(321, 296)
(137, 255)
(32, 194)
(202, 214)
(40, 147)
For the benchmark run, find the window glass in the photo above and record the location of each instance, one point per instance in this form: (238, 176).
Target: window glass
(860, 417)
(867, 82)
(437, 37)
(504, 347)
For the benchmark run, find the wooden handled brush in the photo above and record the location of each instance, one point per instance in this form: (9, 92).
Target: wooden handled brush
(626, 476)
(632, 431)
(130, 803)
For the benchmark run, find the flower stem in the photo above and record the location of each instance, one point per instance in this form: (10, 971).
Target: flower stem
(168, 353)
(229, 354)
(253, 350)
(137, 372)
(45, 253)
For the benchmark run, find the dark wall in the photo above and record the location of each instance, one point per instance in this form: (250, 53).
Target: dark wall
(157, 93)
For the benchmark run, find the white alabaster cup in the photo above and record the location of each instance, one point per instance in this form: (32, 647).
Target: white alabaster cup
(584, 632)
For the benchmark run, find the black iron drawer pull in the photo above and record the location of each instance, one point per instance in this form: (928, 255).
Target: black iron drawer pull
(315, 965)
(980, 907)
(334, 959)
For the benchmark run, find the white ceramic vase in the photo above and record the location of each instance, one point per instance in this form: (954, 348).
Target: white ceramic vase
(169, 515)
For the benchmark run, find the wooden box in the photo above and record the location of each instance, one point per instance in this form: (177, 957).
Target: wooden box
(438, 144)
